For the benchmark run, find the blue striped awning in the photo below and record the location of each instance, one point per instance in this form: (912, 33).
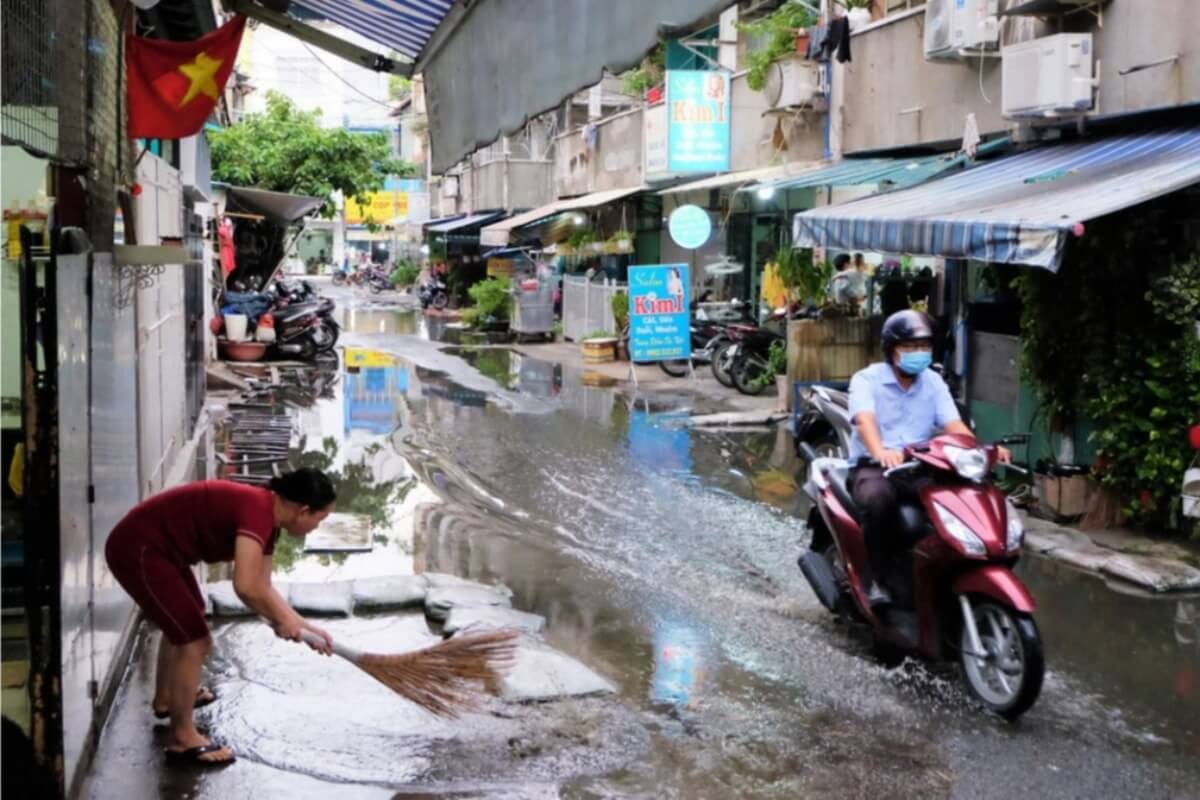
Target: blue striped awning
(1016, 210)
(403, 25)
(888, 173)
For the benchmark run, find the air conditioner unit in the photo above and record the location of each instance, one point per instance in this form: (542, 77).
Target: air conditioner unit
(957, 29)
(792, 82)
(1048, 76)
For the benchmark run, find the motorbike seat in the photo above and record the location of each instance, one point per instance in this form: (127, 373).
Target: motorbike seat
(295, 310)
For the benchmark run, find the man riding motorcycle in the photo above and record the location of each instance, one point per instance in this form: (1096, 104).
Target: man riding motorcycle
(894, 404)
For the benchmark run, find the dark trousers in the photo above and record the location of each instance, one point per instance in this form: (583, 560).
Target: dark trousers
(878, 499)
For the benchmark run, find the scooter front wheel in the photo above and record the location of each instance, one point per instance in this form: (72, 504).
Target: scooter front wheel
(1007, 676)
(676, 369)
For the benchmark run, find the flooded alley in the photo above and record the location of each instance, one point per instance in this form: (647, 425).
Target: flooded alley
(663, 558)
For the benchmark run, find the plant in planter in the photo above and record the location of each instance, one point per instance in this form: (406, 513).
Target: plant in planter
(776, 366)
(493, 301)
(779, 29)
(620, 310)
(647, 75)
(620, 242)
(805, 280)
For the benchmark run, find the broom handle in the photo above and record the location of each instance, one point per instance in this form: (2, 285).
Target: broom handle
(345, 651)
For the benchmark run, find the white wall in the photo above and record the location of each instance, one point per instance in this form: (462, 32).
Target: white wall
(348, 95)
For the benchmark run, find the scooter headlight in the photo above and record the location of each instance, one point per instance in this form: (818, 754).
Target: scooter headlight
(971, 544)
(1016, 529)
(971, 463)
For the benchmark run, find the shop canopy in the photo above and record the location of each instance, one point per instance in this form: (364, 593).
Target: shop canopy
(744, 179)
(1016, 210)
(277, 207)
(889, 173)
(463, 224)
(500, 233)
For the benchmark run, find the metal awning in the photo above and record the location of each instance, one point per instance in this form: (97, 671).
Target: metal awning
(427, 224)
(887, 172)
(462, 224)
(1016, 210)
(744, 179)
(405, 26)
(277, 207)
(498, 234)
(480, 83)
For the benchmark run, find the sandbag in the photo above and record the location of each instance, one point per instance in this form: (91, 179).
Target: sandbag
(225, 602)
(393, 591)
(332, 598)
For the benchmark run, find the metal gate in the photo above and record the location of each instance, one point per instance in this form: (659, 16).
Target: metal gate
(587, 306)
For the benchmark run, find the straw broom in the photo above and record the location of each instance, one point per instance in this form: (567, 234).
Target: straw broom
(444, 679)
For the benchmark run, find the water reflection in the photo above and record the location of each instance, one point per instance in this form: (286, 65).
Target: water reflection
(679, 666)
(379, 320)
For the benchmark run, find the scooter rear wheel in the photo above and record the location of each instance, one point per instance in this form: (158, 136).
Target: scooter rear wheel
(440, 301)
(721, 363)
(676, 369)
(1008, 679)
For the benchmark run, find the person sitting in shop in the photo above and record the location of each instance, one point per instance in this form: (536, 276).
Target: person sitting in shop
(848, 286)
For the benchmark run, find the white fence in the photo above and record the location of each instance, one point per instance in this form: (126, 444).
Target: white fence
(587, 306)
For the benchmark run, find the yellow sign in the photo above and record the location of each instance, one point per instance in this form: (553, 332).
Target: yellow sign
(362, 357)
(499, 268)
(382, 208)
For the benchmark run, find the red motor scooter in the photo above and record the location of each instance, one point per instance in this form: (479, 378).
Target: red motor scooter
(956, 597)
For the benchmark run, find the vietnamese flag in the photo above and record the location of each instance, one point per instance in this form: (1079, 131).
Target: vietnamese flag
(172, 87)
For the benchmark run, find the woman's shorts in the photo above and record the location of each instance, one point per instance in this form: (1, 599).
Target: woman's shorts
(165, 589)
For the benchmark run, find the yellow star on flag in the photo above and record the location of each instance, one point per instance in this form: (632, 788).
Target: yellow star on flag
(200, 72)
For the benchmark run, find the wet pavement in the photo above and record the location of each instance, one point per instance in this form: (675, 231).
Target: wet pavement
(663, 558)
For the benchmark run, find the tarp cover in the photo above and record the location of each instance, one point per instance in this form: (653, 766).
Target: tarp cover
(1015, 210)
(509, 60)
(277, 207)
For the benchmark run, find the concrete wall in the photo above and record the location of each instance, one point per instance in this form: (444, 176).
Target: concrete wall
(614, 163)
(878, 93)
(761, 141)
(510, 184)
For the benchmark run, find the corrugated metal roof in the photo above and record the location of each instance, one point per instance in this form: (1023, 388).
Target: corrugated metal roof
(1017, 210)
(889, 172)
(462, 223)
(750, 177)
(497, 235)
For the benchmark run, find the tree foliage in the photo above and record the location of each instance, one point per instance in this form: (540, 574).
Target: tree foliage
(285, 149)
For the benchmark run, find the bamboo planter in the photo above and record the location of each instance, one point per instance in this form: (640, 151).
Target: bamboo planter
(599, 351)
(828, 349)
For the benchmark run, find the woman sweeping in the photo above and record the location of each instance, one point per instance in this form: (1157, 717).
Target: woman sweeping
(151, 552)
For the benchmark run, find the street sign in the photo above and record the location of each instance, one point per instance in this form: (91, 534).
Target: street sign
(697, 121)
(659, 315)
(690, 227)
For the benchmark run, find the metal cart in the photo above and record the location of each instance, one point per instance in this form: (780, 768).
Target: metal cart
(533, 309)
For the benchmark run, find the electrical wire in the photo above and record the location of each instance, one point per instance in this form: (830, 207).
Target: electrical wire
(338, 75)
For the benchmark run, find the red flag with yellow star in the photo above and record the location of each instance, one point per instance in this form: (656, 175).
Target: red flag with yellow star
(172, 87)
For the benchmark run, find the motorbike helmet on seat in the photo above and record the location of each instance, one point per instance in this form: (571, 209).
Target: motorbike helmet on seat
(905, 326)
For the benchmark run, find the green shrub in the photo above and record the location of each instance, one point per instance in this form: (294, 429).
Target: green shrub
(780, 29)
(620, 309)
(493, 297)
(405, 274)
(776, 365)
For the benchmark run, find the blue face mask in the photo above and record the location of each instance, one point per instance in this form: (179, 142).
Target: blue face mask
(915, 363)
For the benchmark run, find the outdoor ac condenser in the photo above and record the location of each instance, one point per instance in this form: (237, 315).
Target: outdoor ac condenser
(958, 29)
(792, 82)
(1048, 76)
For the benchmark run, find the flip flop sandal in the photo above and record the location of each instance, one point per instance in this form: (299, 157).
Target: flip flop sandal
(204, 697)
(193, 756)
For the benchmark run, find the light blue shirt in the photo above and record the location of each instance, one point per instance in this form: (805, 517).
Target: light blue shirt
(905, 417)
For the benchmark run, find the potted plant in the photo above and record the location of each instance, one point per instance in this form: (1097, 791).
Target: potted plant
(777, 373)
(493, 301)
(620, 310)
(621, 242)
(780, 30)
(599, 347)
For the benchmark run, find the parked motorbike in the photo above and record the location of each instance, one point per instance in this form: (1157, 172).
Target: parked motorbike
(290, 294)
(956, 595)
(433, 292)
(299, 332)
(752, 359)
(707, 337)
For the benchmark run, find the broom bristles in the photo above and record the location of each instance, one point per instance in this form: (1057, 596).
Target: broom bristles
(447, 678)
